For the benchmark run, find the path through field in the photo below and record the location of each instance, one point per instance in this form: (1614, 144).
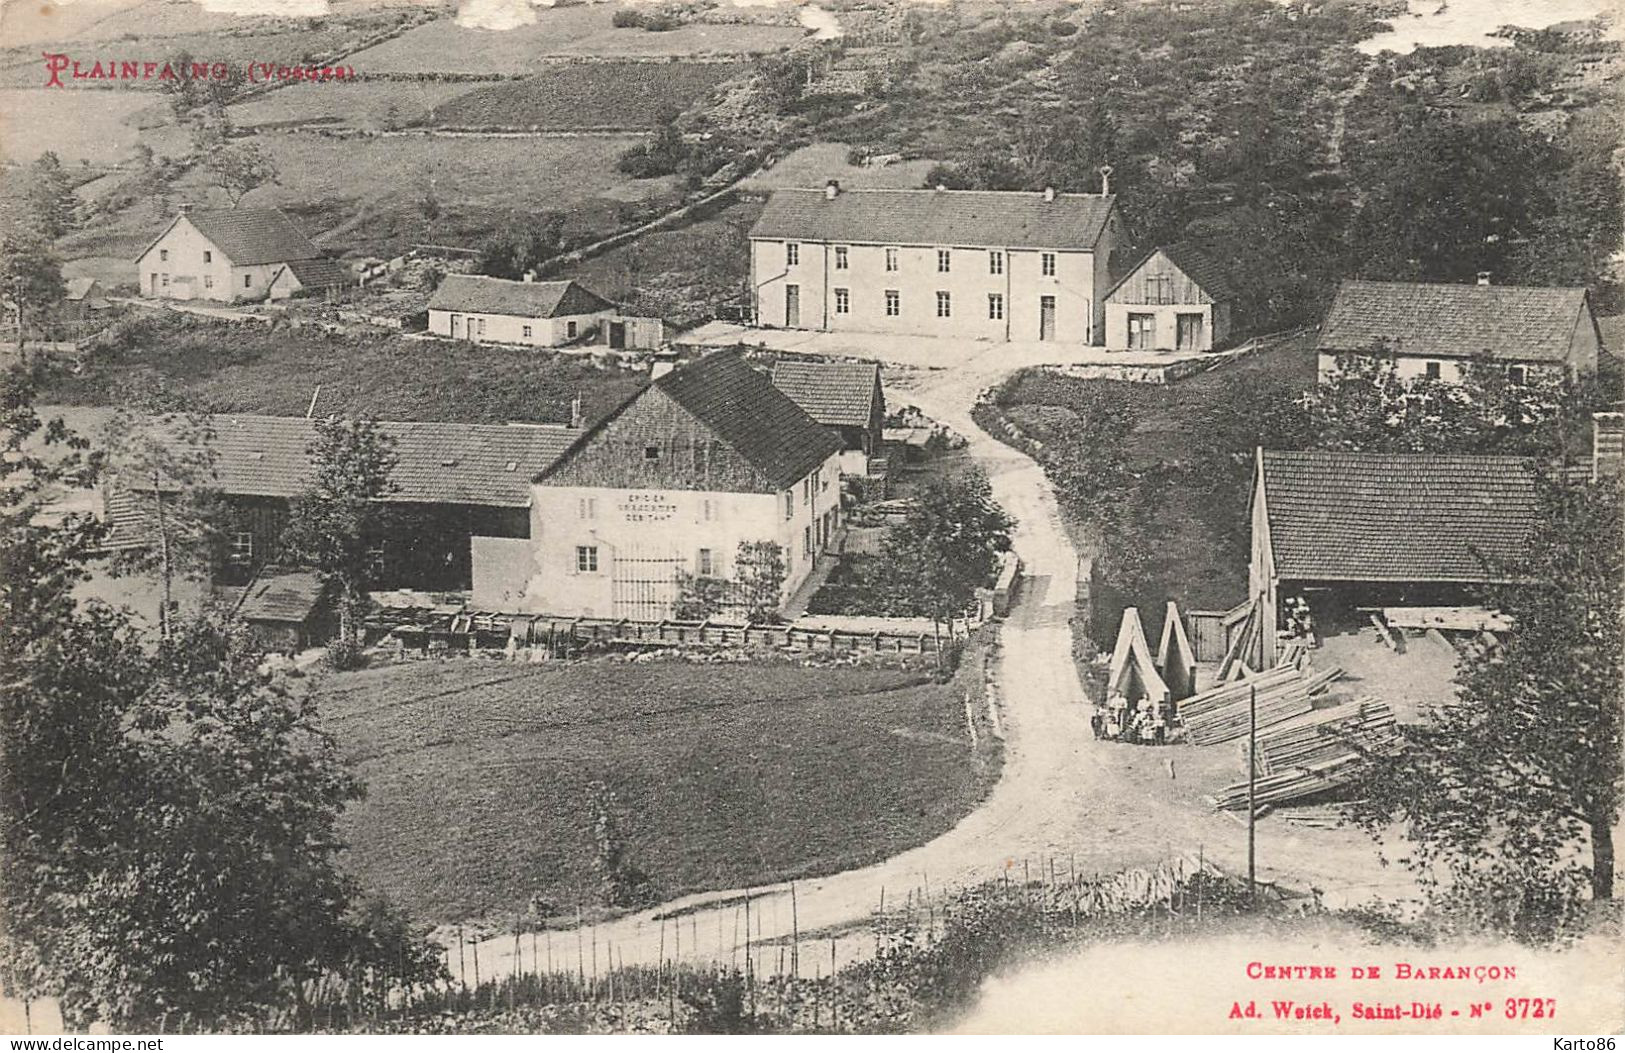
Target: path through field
(1065, 800)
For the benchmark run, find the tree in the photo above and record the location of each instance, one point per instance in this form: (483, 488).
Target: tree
(236, 168)
(1526, 764)
(166, 464)
(334, 526)
(759, 579)
(524, 247)
(48, 201)
(947, 546)
(31, 276)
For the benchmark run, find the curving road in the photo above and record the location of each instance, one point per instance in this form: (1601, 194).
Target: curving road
(1064, 798)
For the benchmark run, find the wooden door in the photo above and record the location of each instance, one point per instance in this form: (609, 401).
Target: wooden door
(617, 334)
(456, 327)
(1046, 318)
(792, 306)
(1188, 332)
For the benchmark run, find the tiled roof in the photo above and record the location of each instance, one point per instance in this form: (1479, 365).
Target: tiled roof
(1522, 323)
(838, 394)
(1337, 516)
(319, 274)
(282, 598)
(251, 236)
(437, 463)
(478, 294)
(994, 218)
(1197, 265)
(743, 410)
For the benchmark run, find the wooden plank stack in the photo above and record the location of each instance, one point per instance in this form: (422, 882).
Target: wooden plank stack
(1220, 714)
(1367, 724)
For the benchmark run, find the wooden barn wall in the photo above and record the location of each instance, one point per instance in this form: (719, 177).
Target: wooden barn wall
(690, 458)
(1133, 289)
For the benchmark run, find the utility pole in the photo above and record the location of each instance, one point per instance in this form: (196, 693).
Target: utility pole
(1252, 791)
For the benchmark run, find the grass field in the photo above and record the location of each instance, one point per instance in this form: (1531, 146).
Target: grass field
(581, 31)
(33, 120)
(584, 95)
(477, 774)
(356, 104)
(817, 164)
(247, 368)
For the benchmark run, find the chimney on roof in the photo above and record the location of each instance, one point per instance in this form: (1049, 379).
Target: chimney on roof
(1483, 277)
(832, 189)
(1105, 180)
(186, 207)
(530, 276)
(1049, 193)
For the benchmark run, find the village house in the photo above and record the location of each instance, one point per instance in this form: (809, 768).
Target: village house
(1435, 330)
(83, 299)
(843, 396)
(456, 483)
(1352, 531)
(707, 457)
(232, 255)
(485, 310)
(1176, 298)
(986, 265)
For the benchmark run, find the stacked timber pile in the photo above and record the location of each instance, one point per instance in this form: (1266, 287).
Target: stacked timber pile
(1317, 756)
(1220, 714)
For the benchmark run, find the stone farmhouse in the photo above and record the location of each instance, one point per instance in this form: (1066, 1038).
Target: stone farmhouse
(985, 265)
(233, 255)
(1362, 530)
(481, 309)
(706, 457)
(1434, 329)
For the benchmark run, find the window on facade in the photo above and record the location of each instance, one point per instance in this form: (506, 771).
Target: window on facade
(1431, 370)
(806, 490)
(945, 304)
(525, 331)
(806, 543)
(704, 565)
(651, 453)
(587, 559)
(894, 303)
(710, 509)
(792, 254)
(163, 255)
(843, 301)
(1046, 264)
(208, 281)
(587, 508)
(995, 262)
(1516, 374)
(1159, 288)
(208, 257)
(166, 281)
(242, 548)
(995, 306)
(248, 281)
(1142, 330)
(840, 257)
(891, 259)
(944, 261)
(789, 504)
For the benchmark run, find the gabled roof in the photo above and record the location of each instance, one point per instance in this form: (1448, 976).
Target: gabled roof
(318, 274)
(993, 218)
(1522, 323)
(1194, 263)
(247, 236)
(78, 288)
(836, 394)
(437, 462)
(741, 409)
(478, 294)
(1339, 516)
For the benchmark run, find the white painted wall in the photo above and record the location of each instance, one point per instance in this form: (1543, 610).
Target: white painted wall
(1167, 324)
(177, 263)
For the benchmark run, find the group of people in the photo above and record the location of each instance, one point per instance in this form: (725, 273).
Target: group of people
(1299, 621)
(1121, 720)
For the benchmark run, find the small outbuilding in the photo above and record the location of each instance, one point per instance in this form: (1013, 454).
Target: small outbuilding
(1176, 298)
(285, 612)
(486, 310)
(321, 277)
(845, 397)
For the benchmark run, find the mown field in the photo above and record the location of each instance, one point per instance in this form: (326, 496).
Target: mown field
(584, 95)
(248, 368)
(372, 105)
(582, 31)
(478, 775)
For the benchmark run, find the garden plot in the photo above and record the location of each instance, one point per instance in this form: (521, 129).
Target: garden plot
(573, 96)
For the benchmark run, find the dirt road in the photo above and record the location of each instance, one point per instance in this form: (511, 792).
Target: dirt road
(1064, 798)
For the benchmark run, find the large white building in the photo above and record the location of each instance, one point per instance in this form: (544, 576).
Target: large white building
(988, 265)
(703, 459)
(233, 254)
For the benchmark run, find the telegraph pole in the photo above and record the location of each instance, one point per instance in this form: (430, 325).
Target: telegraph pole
(1252, 791)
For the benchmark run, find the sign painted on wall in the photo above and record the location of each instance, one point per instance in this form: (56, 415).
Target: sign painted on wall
(647, 508)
